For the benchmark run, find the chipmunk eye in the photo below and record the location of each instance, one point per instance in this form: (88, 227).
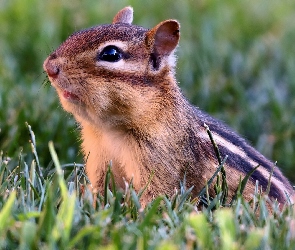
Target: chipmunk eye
(110, 54)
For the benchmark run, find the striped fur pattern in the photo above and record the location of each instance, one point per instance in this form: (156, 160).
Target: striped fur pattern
(133, 113)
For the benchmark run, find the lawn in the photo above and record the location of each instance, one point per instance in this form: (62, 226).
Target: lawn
(236, 61)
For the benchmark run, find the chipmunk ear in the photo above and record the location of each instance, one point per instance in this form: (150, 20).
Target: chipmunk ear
(162, 40)
(124, 16)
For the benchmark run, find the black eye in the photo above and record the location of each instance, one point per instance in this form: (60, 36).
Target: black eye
(110, 54)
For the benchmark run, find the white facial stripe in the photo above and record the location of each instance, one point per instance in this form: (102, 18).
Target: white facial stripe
(121, 45)
(172, 60)
(122, 66)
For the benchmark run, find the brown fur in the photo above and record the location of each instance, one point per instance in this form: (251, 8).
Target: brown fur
(133, 113)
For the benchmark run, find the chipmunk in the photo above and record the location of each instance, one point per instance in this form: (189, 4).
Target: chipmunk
(119, 83)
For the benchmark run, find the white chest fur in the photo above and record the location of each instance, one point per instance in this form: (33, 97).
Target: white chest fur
(102, 147)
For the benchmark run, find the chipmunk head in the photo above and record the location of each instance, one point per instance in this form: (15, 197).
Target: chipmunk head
(117, 73)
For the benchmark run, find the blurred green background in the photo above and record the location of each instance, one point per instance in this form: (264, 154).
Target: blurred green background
(236, 61)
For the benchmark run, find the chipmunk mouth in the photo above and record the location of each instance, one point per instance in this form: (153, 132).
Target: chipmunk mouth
(70, 96)
(66, 94)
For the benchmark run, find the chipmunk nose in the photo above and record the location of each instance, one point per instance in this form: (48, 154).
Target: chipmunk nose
(49, 66)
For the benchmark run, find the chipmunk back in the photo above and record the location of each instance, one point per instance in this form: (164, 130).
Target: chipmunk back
(118, 81)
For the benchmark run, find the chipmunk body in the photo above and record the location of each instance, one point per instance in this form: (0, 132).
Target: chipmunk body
(118, 82)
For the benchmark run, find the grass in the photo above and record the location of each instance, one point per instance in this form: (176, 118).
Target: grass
(56, 211)
(235, 60)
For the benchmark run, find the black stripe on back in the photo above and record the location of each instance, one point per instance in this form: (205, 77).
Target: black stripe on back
(237, 162)
(225, 132)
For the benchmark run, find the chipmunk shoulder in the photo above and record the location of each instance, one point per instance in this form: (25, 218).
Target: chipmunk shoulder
(118, 81)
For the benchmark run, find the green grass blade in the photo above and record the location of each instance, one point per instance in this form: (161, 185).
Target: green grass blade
(150, 213)
(242, 185)
(5, 213)
(59, 172)
(227, 228)
(203, 190)
(202, 230)
(33, 147)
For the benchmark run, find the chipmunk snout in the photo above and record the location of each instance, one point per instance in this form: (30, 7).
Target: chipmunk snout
(51, 69)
